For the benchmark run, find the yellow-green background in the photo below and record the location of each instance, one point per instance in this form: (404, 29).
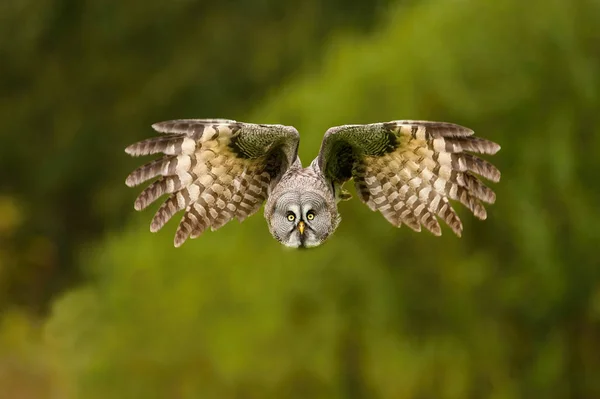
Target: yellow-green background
(92, 305)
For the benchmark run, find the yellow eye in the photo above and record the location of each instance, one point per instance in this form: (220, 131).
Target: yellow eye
(310, 215)
(291, 217)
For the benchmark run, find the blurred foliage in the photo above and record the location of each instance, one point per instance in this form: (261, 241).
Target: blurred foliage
(85, 78)
(510, 310)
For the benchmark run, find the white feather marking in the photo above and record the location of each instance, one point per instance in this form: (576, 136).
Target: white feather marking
(421, 133)
(424, 193)
(226, 179)
(370, 180)
(200, 169)
(208, 134)
(419, 209)
(205, 156)
(399, 206)
(436, 201)
(406, 174)
(210, 200)
(194, 192)
(217, 188)
(200, 210)
(424, 152)
(375, 190)
(444, 158)
(440, 185)
(426, 175)
(405, 129)
(403, 190)
(439, 145)
(188, 146)
(180, 200)
(205, 180)
(170, 185)
(415, 182)
(453, 190)
(445, 172)
(183, 162)
(170, 149)
(219, 170)
(411, 201)
(379, 200)
(185, 178)
(210, 144)
(393, 164)
(219, 160)
(412, 165)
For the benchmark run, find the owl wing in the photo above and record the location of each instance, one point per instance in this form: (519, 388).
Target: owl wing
(214, 169)
(408, 170)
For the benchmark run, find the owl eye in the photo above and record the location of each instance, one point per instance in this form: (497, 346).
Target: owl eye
(291, 217)
(310, 215)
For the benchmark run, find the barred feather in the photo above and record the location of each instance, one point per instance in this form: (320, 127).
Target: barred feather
(214, 169)
(407, 170)
(168, 145)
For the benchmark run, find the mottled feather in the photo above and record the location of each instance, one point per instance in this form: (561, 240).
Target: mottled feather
(407, 170)
(214, 169)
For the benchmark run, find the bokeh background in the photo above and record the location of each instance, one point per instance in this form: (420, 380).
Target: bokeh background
(92, 305)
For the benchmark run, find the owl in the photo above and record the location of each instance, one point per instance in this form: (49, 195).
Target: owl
(216, 170)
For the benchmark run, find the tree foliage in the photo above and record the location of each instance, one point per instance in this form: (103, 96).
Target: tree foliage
(84, 79)
(510, 310)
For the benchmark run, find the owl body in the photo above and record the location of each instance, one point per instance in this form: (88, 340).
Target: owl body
(217, 170)
(302, 197)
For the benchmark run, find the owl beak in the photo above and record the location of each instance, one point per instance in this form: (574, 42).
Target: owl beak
(301, 227)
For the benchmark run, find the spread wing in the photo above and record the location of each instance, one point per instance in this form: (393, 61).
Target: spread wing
(408, 170)
(214, 169)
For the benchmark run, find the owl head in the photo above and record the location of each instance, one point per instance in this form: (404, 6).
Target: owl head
(301, 218)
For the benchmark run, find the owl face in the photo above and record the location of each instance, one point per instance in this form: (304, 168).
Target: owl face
(301, 219)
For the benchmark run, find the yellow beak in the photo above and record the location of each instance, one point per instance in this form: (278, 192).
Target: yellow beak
(301, 227)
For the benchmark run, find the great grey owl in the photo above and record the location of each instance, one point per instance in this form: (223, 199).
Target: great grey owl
(219, 169)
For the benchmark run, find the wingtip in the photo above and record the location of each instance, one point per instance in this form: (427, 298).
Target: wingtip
(130, 181)
(138, 205)
(495, 148)
(159, 127)
(135, 150)
(498, 177)
(178, 242)
(154, 227)
(495, 177)
(481, 213)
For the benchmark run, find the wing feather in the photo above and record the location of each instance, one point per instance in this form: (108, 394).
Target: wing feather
(214, 169)
(408, 170)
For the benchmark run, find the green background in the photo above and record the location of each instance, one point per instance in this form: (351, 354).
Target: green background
(92, 305)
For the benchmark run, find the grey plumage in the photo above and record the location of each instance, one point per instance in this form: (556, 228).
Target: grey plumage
(219, 169)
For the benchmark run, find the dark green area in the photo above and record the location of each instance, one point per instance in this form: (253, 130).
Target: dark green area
(510, 310)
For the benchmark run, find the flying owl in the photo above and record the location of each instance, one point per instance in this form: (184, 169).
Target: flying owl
(218, 169)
